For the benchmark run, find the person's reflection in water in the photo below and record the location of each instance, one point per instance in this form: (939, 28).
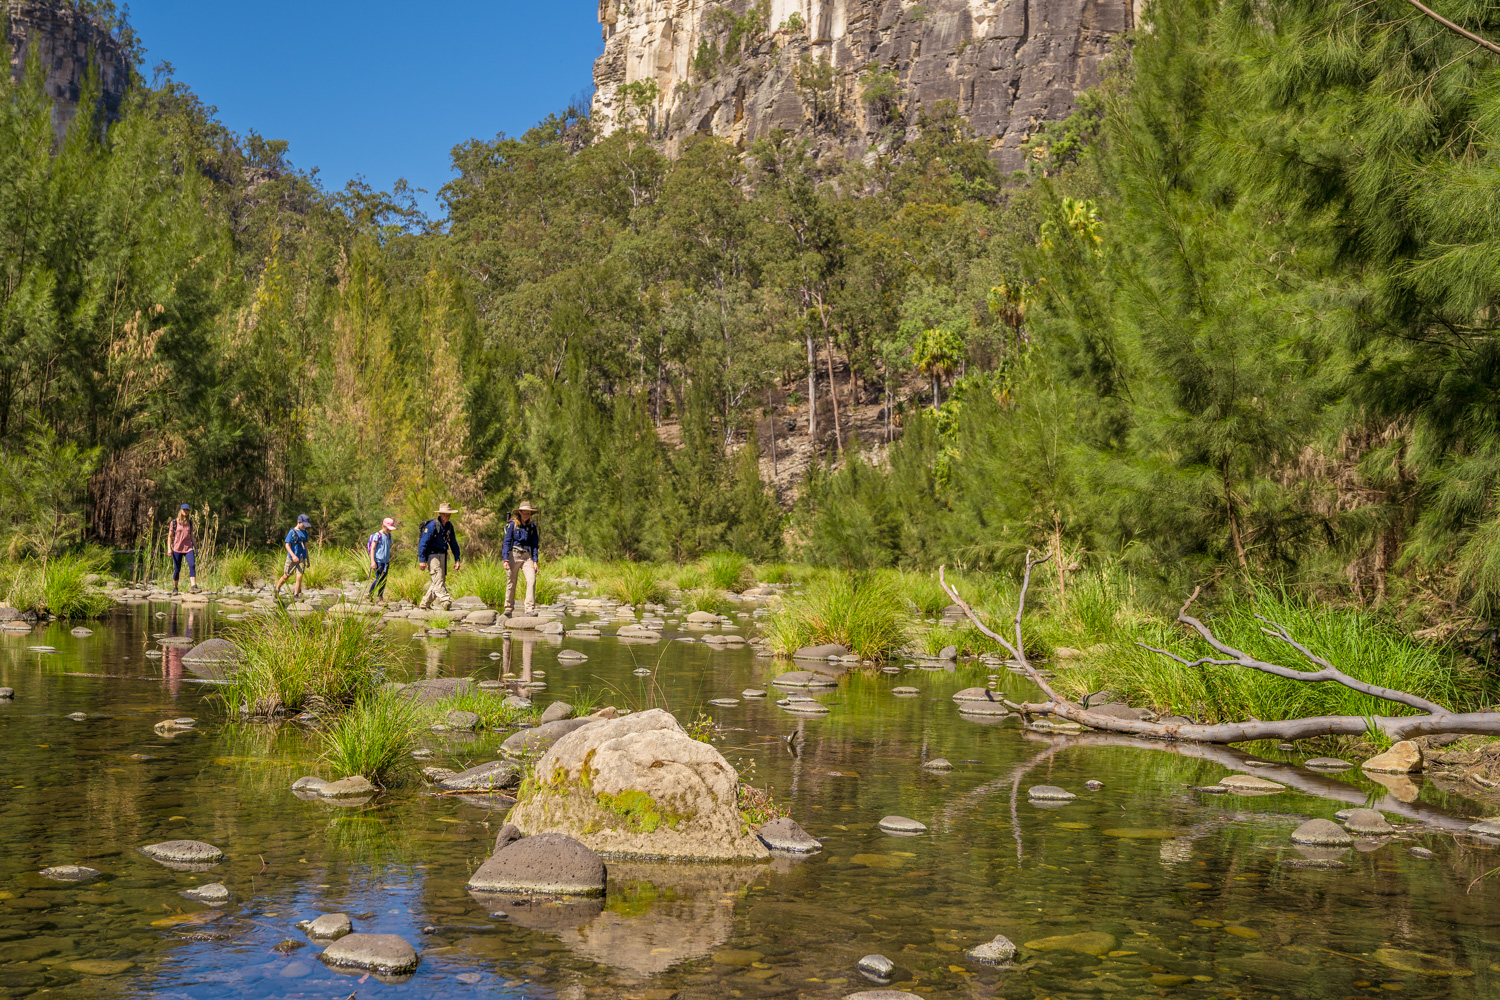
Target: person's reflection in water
(518, 685)
(434, 653)
(172, 669)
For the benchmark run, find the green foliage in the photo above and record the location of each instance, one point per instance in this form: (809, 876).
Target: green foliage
(57, 587)
(635, 583)
(758, 807)
(727, 571)
(373, 738)
(487, 580)
(637, 811)
(709, 599)
(490, 706)
(236, 567)
(41, 490)
(862, 613)
(292, 661)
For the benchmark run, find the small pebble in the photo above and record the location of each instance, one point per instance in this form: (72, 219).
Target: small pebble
(1423, 853)
(1093, 785)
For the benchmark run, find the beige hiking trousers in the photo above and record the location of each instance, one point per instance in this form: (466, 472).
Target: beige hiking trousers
(437, 588)
(520, 563)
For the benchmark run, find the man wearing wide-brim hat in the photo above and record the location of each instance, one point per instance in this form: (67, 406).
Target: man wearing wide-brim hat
(438, 539)
(521, 552)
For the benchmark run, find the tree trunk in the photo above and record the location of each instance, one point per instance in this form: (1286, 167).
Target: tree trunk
(1234, 520)
(1062, 569)
(812, 393)
(833, 393)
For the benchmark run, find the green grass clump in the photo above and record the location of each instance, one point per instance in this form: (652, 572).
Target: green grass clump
(708, 599)
(374, 738)
(727, 571)
(439, 621)
(289, 661)
(865, 614)
(237, 567)
(487, 580)
(488, 705)
(921, 591)
(690, 577)
(776, 573)
(635, 583)
(1362, 642)
(60, 588)
(969, 640)
(407, 583)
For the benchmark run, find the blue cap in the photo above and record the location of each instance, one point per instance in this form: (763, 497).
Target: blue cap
(186, 506)
(303, 519)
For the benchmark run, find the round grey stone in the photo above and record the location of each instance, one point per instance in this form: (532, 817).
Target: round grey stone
(310, 783)
(877, 967)
(213, 892)
(753, 693)
(540, 738)
(556, 712)
(724, 702)
(905, 692)
(545, 863)
(1093, 785)
(212, 651)
(79, 716)
(1487, 827)
(387, 953)
(902, 826)
(7, 693)
(1423, 853)
(183, 851)
(1050, 793)
(459, 719)
(486, 777)
(948, 653)
(786, 835)
(997, 951)
(353, 785)
(328, 927)
(1321, 833)
(937, 764)
(1368, 822)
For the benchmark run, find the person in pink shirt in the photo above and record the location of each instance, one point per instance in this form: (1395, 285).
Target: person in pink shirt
(183, 544)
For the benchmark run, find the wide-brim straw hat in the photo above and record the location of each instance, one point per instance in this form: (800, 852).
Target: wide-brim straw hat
(447, 509)
(526, 506)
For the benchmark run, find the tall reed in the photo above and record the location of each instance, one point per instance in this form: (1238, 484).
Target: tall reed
(373, 738)
(295, 662)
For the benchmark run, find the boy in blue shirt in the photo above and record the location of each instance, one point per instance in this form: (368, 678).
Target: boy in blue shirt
(295, 544)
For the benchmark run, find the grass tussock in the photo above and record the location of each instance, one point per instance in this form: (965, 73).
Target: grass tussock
(635, 583)
(862, 613)
(709, 599)
(237, 567)
(375, 738)
(316, 660)
(488, 705)
(408, 583)
(59, 588)
(487, 580)
(689, 577)
(727, 571)
(1362, 642)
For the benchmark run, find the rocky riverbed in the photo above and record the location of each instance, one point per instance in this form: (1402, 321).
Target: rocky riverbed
(940, 850)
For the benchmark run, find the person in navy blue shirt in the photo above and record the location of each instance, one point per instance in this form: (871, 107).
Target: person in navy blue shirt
(521, 553)
(438, 539)
(295, 544)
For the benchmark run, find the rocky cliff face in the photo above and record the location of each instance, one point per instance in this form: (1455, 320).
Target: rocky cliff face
(66, 42)
(852, 74)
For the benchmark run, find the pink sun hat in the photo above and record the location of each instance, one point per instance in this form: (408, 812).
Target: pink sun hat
(389, 522)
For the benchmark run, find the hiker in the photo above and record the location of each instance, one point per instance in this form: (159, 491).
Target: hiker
(180, 533)
(437, 539)
(379, 549)
(520, 552)
(295, 544)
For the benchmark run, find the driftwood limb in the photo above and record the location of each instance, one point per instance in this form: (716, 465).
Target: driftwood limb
(1435, 720)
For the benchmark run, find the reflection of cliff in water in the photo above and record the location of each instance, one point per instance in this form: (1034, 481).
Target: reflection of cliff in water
(653, 916)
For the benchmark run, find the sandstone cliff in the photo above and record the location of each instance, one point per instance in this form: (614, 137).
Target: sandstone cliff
(66, 42)
(853, 74)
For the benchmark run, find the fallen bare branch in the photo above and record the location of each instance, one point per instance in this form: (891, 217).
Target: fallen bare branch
(1437, 719)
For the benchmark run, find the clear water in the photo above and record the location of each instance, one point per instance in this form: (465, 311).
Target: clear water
(1203, 896)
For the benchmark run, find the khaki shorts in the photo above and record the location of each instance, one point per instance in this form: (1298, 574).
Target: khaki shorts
(294, 567)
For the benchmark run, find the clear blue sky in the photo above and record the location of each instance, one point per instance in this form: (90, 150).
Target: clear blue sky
(374, 87)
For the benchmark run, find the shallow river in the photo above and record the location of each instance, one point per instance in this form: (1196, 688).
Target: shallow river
(1176, 893)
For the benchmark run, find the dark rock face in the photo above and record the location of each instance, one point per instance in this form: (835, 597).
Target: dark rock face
(67, 44)
(1008, 66)
(545, 863)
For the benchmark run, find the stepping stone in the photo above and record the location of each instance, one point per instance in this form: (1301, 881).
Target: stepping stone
(724, 702)
(1368, 822)
(526, 623)
(752, 693)
(1049, 793)
(328, 927)
(1487, 827)
(637, 632)
(1402, 758)
(213, 892)
(991, 708)
(183, 852)
(544, 863)
(571, 656)
(876, 967)
(820, 652)
(353, 785)
(806, 708)
(1250, 784)
(937, 764)
(902, 826)
(975, 694)
(1327, 764)
(1321, 833)
(906, 692)
(387, 953)
(786, 835)
(496, 774)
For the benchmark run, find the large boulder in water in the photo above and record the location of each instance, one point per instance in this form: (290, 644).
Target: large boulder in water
(212, 651)
(639, 787)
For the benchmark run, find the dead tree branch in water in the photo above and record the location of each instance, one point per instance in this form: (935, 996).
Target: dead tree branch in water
(1435, 720)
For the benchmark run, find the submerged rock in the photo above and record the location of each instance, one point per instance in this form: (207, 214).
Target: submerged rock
(1422, 853)
(353, 785)
(639, 786)
(937, 764)
(1250, 784)
(876, 967)
(1328, 764)
(997, 951)
(183, 852)
(387, 953)
(310, 783)
(1402, 758)
(70, 873)
(550, 863)
(1321, 833)
(6, 694)
(1093, 785)
(786, 835)
(1094, 943)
